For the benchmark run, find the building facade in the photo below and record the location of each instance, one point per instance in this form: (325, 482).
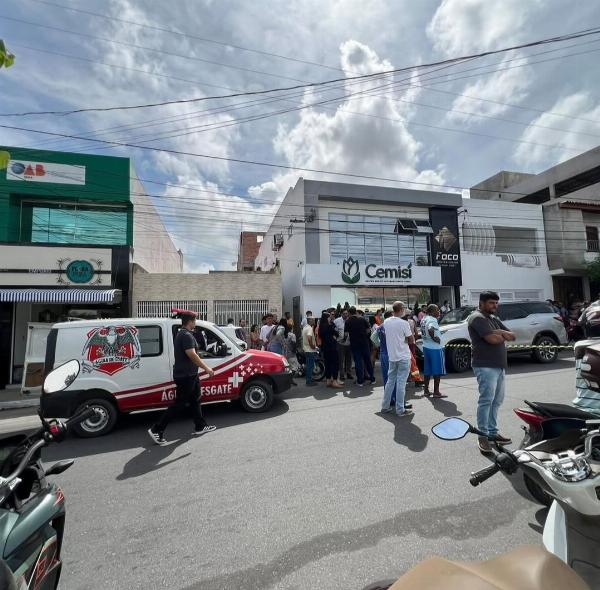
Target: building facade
(250, 242)
(216, 296)
(569, 194)
(71, 227)
(365, 245)
(503, 249)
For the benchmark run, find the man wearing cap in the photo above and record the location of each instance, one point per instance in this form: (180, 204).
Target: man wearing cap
(185, 374)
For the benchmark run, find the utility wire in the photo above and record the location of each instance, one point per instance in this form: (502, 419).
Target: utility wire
(545, 41)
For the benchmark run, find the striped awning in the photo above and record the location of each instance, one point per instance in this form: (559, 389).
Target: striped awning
(60, 295)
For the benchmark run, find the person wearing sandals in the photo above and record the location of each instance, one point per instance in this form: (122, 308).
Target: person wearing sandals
(433, 351)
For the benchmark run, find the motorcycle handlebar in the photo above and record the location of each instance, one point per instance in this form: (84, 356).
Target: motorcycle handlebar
(88, 413)
(480, 476)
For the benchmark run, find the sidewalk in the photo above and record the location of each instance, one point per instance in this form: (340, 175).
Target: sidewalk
(11, 399)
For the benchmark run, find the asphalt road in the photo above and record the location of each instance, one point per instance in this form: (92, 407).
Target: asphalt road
(322, 492)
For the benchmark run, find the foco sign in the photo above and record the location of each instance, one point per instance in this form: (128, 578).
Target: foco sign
(374, 273)
(445, 245)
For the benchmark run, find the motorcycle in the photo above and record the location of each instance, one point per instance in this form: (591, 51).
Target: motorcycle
(32, 510)
(569, 466)
(318, 370)
(547, 420)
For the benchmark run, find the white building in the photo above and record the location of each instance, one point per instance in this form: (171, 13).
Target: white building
(365, 245)
(503, 249)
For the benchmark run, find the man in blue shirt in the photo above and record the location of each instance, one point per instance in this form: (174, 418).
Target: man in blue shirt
(433, 351)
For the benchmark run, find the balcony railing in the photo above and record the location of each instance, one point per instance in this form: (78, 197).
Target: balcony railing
(593, 245)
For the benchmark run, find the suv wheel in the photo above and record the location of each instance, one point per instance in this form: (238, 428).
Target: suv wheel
(545, 355)
(459, 359)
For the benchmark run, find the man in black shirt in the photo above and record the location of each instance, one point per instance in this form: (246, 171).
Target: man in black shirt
(185, 374)
(488, 335)
(358, 329)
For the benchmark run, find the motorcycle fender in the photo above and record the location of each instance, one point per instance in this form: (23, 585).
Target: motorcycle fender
(34, 516)
(555, 532)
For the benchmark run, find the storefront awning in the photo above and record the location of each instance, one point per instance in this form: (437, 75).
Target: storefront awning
(60, 295)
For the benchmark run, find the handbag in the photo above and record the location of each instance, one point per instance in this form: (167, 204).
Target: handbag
(375, 338)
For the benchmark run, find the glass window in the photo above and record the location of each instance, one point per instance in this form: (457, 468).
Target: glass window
(537, 307)
(511, 312)
(150, 338)
(73, 224)
(515, 240)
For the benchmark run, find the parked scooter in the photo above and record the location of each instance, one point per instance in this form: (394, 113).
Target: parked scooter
(568, 466)
(318, 370)
(32, 510)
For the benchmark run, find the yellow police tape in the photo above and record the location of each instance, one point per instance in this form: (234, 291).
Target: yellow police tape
(526, 346)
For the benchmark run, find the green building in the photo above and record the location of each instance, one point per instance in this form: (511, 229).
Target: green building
(68, 242)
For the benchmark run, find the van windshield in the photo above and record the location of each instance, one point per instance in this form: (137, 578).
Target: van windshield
(456, 316)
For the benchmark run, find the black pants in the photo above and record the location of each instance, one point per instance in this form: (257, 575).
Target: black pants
(188, 393)
(362, 362)
(345, 361)
(332, 365)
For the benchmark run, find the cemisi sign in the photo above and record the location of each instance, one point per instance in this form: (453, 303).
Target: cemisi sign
(353, 273)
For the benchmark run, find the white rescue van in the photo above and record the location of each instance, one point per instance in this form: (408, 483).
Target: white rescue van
(127, 366)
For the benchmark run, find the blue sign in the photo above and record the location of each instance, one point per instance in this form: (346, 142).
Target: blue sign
(80, 271)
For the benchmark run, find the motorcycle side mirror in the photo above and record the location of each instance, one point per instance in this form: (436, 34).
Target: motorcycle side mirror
(60, 467)
(452, 429)
(61, 377)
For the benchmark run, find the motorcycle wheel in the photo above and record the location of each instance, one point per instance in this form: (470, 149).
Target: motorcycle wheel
(537, 491)
(319, 370)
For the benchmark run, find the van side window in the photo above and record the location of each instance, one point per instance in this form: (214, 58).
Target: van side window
(150, 338)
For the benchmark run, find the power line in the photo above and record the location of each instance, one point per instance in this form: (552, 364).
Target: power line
(190, 36)
(545, 41)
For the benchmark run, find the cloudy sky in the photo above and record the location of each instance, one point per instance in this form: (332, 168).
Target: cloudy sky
(451, 127)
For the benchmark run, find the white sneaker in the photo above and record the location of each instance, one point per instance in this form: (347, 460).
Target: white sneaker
(158, 439)
(204, 430)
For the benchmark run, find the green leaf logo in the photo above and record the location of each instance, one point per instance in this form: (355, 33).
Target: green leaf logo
(350, 271)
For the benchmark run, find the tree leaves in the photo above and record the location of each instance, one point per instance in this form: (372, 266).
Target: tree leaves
(7, 59)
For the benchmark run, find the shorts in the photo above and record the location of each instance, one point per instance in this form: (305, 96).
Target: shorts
(435, 362)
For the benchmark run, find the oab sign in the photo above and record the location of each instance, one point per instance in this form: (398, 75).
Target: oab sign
(353, 273)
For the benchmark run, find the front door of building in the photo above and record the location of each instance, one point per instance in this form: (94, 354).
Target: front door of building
(5, 342)
(568, 290)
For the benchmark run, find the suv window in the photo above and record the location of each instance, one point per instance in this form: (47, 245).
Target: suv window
(537, 307)
(511, 311)
(150, 338)
(457, 315)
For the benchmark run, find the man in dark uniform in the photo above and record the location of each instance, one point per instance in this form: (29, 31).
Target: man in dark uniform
(185, 373)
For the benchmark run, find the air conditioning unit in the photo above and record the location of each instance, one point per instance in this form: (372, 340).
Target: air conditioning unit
(277, 241)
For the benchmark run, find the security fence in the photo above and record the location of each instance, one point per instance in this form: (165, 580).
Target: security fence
(162, 309)
(251, 310)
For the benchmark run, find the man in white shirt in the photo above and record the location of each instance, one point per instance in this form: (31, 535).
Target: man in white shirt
(265, 331)
(398, 336)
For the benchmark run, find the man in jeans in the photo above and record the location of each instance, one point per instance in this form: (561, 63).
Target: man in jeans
(398, 336)
(185, 374)
(488, 335)
(357, 328)
(309, 345)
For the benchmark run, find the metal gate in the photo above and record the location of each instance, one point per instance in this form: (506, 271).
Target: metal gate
(251, 310)
(162, 309)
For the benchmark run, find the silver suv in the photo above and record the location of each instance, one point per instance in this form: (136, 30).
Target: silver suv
(533, 322)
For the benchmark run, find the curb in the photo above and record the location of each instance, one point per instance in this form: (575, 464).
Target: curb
(23, 403)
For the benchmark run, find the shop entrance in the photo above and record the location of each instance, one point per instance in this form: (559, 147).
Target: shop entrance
(373, 298)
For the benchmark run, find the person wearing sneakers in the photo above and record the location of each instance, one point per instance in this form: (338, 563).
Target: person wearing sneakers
(488, 335)
(398, 335)
(185, 374)
(309, 346)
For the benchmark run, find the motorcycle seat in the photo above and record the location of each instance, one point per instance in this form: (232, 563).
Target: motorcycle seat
(559, 410)
(526, 568)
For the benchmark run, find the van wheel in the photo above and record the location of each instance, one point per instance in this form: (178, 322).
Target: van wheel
(545, 355)
(257, 396)
(459, 359)
(102, 423)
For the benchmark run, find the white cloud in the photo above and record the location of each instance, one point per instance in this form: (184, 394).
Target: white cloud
(510, 85)
(461, 27)
(580, 133)
(377, 144)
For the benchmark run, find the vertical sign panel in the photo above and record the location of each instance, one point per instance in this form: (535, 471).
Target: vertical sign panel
(445, 245)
